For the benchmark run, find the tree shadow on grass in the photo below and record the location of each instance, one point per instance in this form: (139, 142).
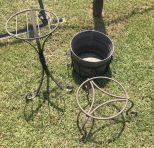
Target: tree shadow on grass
(8, 42)
(99, 24)
(51, 100)
(134, 12)
(103, 132)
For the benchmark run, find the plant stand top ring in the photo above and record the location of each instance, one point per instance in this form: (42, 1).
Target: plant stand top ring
(33, 23)
(92, 109)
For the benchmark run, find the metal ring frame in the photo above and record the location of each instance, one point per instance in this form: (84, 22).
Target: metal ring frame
(28, 10)
(91, 111)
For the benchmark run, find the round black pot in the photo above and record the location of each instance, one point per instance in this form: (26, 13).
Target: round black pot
(91, 53)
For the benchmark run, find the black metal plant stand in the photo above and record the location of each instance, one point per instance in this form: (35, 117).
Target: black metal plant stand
(32, 18)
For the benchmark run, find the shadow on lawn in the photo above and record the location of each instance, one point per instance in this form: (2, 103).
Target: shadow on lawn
(7, 42)
(103, 132)
(52, 99)
(99, 21)
(78, 79)
(134, 12)
(99, 24)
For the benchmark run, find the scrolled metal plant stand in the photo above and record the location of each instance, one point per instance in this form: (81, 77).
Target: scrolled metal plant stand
(34, 16)
(91, 111)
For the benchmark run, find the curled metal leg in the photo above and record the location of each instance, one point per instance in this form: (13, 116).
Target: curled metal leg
(45, 67)
(29, 96)
(50, 75)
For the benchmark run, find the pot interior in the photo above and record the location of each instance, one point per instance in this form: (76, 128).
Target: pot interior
(92, 53)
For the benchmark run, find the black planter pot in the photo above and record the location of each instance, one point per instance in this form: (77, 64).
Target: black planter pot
(91, 53)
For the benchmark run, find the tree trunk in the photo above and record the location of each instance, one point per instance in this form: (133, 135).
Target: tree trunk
(97, 8)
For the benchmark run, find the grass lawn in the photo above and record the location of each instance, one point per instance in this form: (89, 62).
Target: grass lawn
(130, 24)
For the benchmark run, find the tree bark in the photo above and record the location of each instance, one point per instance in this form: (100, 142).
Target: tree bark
(97, 8)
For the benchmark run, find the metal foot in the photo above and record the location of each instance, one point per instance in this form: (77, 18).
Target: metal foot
(30, 96)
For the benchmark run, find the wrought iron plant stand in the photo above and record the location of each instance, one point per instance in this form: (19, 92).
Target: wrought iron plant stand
(90, 82)
(34, 25)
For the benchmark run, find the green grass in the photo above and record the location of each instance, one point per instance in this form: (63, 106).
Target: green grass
(37, 124)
